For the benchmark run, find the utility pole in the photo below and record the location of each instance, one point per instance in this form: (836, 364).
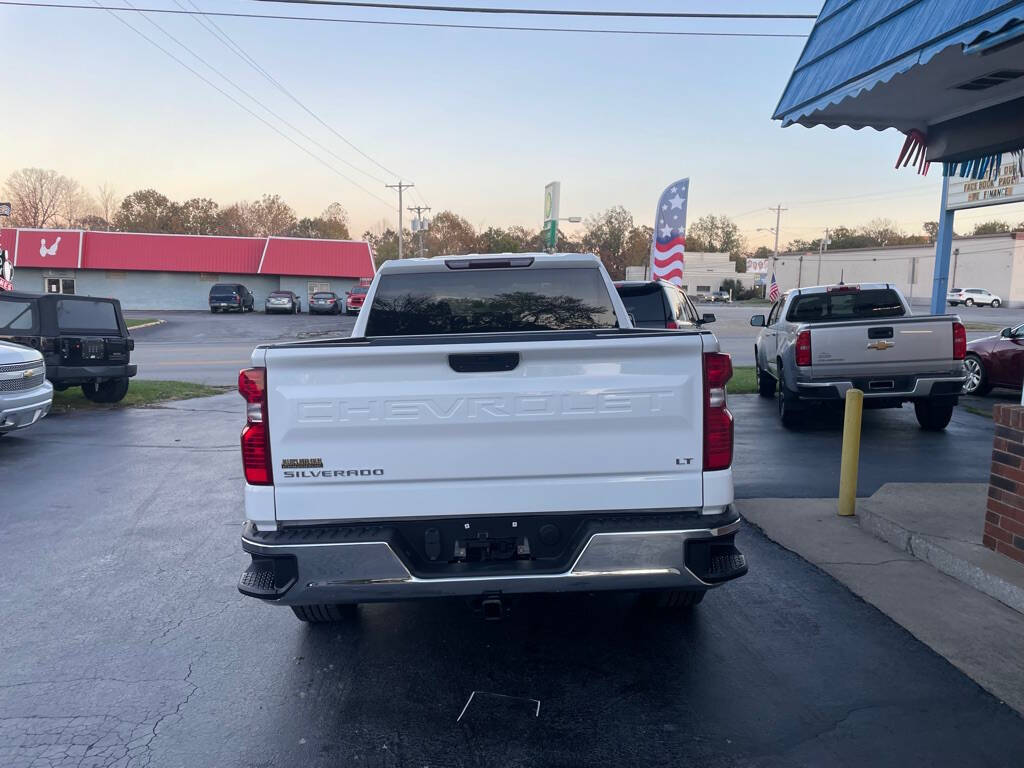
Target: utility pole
(419, 209)
(778, 215)
(956, 258)
(399, 186)
(821, 249)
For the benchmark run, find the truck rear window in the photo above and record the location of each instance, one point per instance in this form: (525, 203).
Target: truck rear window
(490, 300)
(645, 303)
(87, 315)
(852, 305)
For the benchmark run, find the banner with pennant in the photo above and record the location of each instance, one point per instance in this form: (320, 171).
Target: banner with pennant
(669, 243)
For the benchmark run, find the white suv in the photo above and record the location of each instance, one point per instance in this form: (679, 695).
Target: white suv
(971, 296)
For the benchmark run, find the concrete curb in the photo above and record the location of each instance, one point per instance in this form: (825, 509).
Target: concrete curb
(146, 325)
(939, 554)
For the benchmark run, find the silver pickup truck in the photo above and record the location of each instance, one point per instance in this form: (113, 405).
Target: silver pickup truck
(818, 343)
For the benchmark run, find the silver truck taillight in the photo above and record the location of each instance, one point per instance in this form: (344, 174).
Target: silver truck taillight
(252, 385)
(718, 429)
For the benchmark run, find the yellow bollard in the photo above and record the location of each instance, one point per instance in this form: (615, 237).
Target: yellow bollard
(851, 453)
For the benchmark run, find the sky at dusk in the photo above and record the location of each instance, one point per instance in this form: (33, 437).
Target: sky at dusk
(479, 120)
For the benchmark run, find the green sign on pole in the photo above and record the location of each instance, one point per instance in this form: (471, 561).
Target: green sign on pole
(549, 233)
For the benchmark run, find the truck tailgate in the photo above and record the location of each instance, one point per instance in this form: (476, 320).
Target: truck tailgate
(898, 345)
(375, 431)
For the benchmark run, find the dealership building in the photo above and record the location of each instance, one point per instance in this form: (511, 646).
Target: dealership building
(993, 262)
(150, 271)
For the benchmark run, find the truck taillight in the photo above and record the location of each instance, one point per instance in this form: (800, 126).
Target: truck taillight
(672, 325)
(252, 386)
(718, 432)
(959, 341)
(803, 348)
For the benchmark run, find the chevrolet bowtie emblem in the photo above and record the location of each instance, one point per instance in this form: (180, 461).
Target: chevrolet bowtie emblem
(881, 345)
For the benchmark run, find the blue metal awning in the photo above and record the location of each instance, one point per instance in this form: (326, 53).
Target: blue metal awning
(856, 45)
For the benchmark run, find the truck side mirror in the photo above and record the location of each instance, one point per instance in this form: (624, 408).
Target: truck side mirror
(757, 321)
(707, 317)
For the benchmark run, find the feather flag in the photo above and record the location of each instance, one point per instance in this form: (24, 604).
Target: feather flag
(669, 243)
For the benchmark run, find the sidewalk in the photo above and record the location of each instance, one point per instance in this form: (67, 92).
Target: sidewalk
(929, 531)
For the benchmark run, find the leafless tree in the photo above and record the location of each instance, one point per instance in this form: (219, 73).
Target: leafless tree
(109, 200)
(36, 196)
(75, 204)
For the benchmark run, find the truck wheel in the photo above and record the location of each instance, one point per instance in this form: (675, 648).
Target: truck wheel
(976, 382)
(110, 391)
(765, 382)
(789, 413)
(322, 614)
(933, 415)
(666, 599)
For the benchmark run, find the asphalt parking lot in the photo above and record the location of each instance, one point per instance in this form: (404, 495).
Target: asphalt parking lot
(209, 349)
(126, 644)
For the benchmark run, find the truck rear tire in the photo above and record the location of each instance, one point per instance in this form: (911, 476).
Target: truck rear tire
(765, 383)
(933, 415)
(789, 413)
(672, 599)
(323, 614)
(110, 391)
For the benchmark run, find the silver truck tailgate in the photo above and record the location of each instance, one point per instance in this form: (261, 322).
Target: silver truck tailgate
(893, 346)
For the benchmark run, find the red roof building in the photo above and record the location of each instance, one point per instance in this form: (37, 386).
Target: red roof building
(154, 271)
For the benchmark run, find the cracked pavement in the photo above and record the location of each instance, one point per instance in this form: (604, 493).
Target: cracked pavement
(125, 643)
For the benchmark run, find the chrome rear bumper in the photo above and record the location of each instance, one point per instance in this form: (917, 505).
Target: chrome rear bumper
(923, 387)
(371, 571)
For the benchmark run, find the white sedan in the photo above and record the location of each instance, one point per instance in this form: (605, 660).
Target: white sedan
(971, 296)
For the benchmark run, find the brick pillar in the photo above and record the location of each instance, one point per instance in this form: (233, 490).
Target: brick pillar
(1004, 518)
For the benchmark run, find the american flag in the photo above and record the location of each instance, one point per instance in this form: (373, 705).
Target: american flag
(670, 233)
(773, 289)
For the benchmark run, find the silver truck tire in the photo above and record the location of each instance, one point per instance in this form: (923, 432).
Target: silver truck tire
(324, 614)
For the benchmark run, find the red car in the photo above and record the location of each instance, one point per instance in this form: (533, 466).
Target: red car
(354, 299)
(995, 361)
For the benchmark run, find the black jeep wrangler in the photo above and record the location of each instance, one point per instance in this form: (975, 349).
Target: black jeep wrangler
(84, 340)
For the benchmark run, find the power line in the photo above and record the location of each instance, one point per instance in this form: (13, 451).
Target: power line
(436, 25)
(547, 11)
(252, 98)
(227, 95)
(214, 29)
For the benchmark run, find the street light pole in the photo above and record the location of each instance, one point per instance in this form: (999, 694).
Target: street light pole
(821, 249)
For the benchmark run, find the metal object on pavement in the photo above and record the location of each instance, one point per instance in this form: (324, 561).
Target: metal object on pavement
(851, 453)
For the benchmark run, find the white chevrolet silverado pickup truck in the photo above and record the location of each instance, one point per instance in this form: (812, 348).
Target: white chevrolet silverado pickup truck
(493, 426)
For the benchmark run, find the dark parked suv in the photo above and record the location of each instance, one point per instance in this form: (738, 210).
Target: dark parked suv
(84, 340)
(231, 297)
(659, 304)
